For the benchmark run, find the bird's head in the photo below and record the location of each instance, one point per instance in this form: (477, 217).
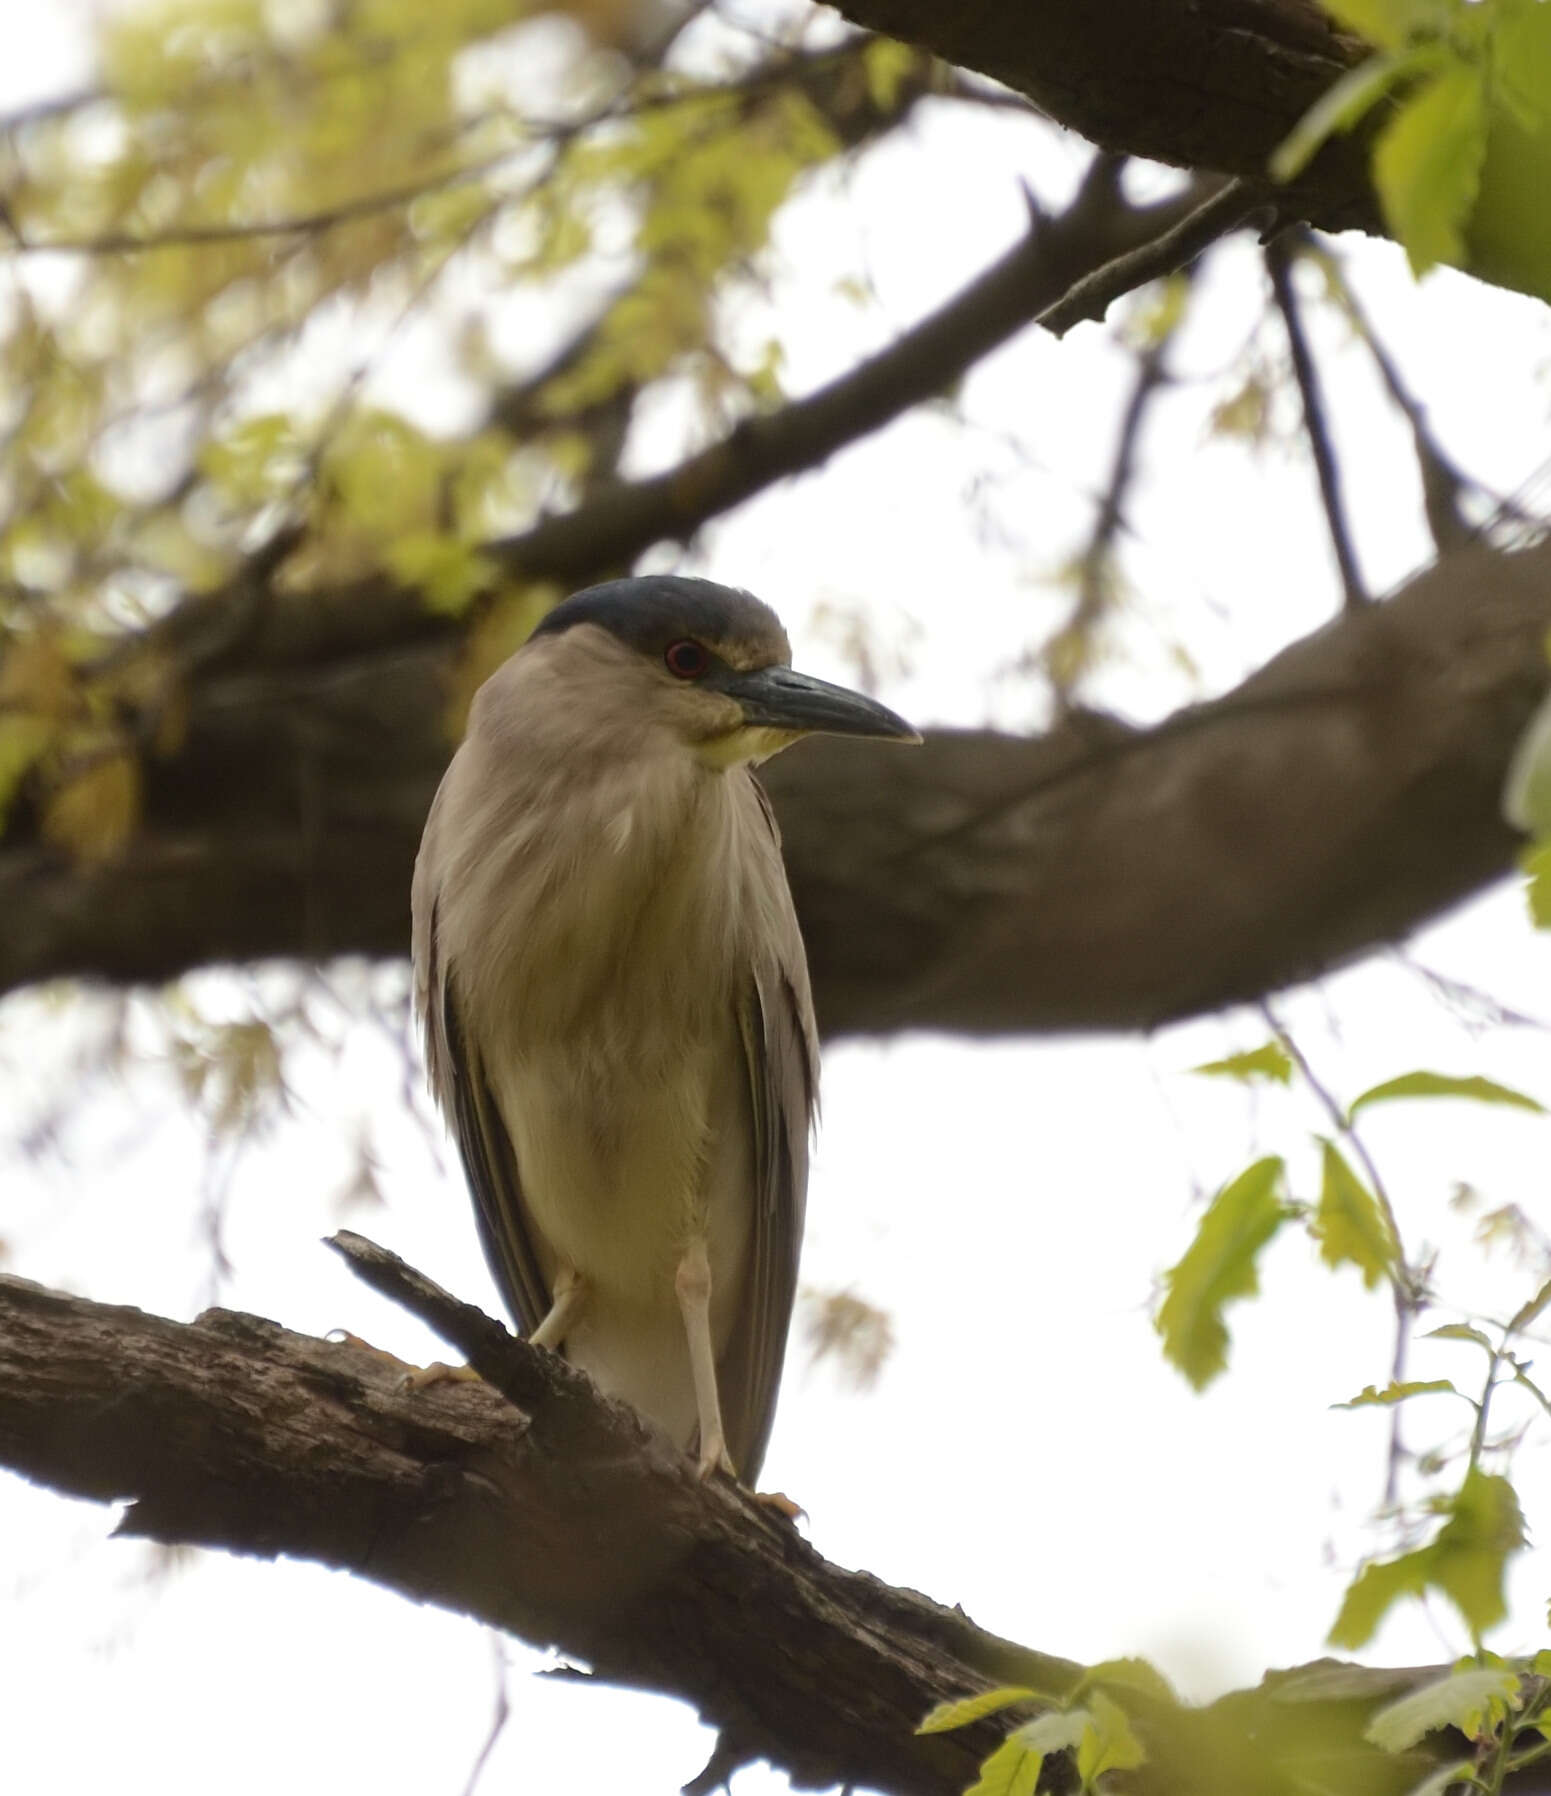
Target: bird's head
(712, 665)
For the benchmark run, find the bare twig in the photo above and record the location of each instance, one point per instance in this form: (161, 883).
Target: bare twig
(1095, 566)
(1229, 206)
(1443, 482)
(501, 1713)
(1316, 423)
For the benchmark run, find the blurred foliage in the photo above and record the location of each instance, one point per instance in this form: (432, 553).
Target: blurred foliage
(847, 1328)
(216, 244)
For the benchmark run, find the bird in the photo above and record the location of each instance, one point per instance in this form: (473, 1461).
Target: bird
(614, 995)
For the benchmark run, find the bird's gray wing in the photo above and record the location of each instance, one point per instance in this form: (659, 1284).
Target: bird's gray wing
(489, 1159)
(780, 1048)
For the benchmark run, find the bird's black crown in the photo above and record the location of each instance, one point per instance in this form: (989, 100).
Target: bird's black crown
(650, 611)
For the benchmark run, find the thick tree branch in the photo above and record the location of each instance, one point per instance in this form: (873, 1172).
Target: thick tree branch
(1214, 84)
(1096, 877)
(538, 1507)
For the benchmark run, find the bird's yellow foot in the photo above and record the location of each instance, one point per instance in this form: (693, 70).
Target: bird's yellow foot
(342, 1337)
(781, 1504)
(414, 1378)
(421, 1378)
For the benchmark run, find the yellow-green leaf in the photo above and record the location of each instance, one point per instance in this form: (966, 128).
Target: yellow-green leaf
(1374, 1591)
(1394, 1393)
(1485, 1528)
(1526, 800)
(1537, 865)
(1444, 1085)
(23, 739)
(1107, 1743)
(1459, 1331)
(450, 573)
(1348, 1223)
(1427, 163)
(1012, 1770)
(1467, 1699)
(94, 814)
(1217, 1267)
(949, 1715)
(1528, 1311)
(1507, 234)
(1269, 1061)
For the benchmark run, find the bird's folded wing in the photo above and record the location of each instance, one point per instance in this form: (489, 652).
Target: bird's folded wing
(489, 1158)
(775, 1020)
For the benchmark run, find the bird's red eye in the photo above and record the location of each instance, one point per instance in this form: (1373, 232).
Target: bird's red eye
(687, 659)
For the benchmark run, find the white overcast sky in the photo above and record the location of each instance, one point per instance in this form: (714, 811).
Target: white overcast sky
(1026, 1453)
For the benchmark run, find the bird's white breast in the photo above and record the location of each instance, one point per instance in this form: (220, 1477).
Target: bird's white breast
(607, 1006)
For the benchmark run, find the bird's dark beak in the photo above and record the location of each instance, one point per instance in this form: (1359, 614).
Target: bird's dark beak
(777, 698)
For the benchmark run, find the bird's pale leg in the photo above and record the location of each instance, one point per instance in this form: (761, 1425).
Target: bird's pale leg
(566, 1305)
(692, 1281)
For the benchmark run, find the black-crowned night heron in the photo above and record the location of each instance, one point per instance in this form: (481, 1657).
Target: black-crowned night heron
(615, 995)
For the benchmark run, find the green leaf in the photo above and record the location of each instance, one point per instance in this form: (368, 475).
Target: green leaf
(1506, 234)
(1269, 1061)
(1527, 1312)
(1445, 1778)
(1526, 800)
(1396, 1393)
(260, 459)
(1471, 1700)
(1536, 863)
(1107, 1743)
(449, 574)
(1349, 1224)
(1374, 1591)
(1383, 22)
(886, 64)
(1459, 1331)
(949, 1715)
(1427, 163)
(1012, 1770)
(1217, 1267)
(1444, 1085)
(1485, 1528)
(1467, 1562)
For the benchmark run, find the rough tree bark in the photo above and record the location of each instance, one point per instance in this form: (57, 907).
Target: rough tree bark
(539, 1507)
(1203, 84)
(1096, 877)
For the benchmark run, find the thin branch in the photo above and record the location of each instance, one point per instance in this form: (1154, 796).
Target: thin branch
(1090, 297)
(500, 1715)
(1443, 482)
(1096, 579)
(1316, 423)
(366, 205)
(1063, 270)
(550, 134)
